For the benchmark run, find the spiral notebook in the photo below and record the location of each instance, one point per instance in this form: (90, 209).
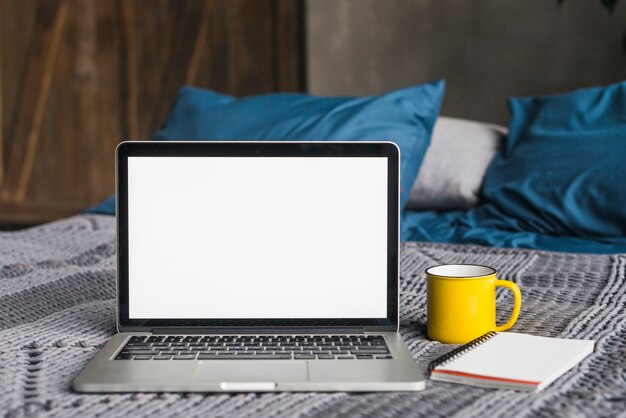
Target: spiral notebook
(510, 360)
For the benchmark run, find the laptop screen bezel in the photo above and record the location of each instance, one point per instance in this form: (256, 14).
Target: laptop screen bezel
(387, 150)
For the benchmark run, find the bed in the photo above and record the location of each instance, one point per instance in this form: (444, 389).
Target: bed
(559, 234)
(57, 304)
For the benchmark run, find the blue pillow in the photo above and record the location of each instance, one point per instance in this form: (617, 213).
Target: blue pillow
(563, 168)
(404, 116)
(106, 207)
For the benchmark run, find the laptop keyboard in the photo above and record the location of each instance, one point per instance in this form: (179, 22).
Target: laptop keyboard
(270, 347)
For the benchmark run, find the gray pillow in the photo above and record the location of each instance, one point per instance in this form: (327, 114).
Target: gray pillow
(455, 163)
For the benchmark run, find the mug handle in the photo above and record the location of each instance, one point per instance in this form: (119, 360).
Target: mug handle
(517, 303)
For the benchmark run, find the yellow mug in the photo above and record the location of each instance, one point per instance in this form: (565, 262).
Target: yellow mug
(461, 302)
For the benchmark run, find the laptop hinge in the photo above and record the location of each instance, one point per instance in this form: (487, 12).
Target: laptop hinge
(256, 330)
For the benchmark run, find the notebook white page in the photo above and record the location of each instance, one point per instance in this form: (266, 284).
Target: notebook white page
(522, 357)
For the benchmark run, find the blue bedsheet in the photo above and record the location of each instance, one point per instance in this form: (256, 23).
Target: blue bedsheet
(485, 225)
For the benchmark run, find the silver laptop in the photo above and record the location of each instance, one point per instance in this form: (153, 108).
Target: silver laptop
(256, 266)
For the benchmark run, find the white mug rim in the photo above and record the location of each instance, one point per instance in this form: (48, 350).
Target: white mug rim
(487, 271)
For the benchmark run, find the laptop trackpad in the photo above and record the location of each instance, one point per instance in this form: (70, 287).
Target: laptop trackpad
(251, 371)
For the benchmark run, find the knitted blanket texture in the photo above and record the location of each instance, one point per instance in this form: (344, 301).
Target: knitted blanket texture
(57, 309)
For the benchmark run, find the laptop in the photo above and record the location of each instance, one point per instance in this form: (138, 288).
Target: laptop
(256, 266)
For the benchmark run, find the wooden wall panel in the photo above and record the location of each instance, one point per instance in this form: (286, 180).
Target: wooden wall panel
(78, 76)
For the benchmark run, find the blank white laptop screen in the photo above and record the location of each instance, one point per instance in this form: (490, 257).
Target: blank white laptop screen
(265, 237)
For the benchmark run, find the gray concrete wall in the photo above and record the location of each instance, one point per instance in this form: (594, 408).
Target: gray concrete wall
(487, 50)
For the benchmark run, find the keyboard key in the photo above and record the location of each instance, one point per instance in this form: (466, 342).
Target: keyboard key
(185, 357)
(137, 347)
(137, 343)
(142, 357)
(124, 356)
(298, 356)
(384, 357)
(145, 352)
(244, 357)
(364, 357)
(161, 357)
(280, 356)
(370, 351)
(155, 339)
(174, 339)
(159, 346)
(224, 357)
(373, 337)
(345, 358)
(136, 338)
(272, 347)
(326, 357)
(209, 339)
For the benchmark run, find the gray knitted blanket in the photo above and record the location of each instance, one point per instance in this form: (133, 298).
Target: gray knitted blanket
(57, 308)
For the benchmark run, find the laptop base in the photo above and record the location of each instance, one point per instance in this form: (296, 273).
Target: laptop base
(105, 374)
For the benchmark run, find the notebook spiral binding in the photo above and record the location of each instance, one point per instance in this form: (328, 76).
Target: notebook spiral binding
(460, 350)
